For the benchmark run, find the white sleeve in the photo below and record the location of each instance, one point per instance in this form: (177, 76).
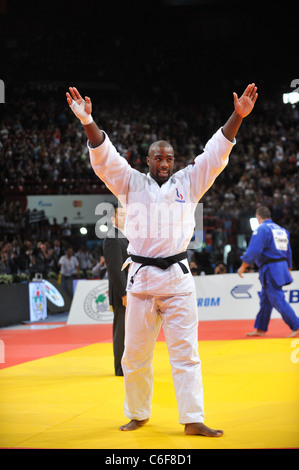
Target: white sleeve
(110, 167)
(209, 164)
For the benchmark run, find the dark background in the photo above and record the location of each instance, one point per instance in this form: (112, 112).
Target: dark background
(199, 49)
(136, 58)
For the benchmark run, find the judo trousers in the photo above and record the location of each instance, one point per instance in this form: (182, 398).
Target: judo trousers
(272, 296)
(179, 319)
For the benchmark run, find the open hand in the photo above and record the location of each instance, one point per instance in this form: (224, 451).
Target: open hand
(244, 105)
(81, 107)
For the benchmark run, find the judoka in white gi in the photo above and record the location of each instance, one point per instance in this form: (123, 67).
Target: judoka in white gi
(160, 221)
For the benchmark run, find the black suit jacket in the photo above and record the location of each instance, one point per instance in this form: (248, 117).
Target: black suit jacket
(115, 253)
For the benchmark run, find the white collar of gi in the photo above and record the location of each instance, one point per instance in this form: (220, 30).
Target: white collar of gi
(152, 181)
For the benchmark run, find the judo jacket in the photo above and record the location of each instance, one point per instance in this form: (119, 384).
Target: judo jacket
(160, 220)
(269, 248)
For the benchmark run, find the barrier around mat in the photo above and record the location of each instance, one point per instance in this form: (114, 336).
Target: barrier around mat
(31, 302)
(37, 300)
(58, 301)
(219, 297)
(90, 303)
(229, 297)
(14, 304)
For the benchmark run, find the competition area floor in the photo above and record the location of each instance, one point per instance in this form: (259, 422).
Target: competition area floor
(58, 389)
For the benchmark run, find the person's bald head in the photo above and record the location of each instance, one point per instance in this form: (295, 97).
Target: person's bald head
(160, 161)
(160, 144)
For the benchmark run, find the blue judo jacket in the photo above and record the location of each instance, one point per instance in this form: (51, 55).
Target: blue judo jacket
(268, 243)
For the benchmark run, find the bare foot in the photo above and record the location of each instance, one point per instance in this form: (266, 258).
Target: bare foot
(256, 333)
(202, 429)
(293, 334)
(133, 424)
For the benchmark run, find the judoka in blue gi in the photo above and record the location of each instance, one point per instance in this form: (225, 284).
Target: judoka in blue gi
(269, 248)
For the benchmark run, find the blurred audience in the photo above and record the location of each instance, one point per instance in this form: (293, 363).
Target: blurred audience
(43, 149)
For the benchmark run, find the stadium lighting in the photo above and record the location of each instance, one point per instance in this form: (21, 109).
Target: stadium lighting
(292, 97)
(83, 230)
(103, 228)
(253, 223)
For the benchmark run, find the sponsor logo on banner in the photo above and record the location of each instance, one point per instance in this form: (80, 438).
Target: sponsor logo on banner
(54, 295)
(41, 203)
(293, 296)
(208, 302)
(241, 291)
(96, 305)
(77, 203)
(37, 301)
(226, 297)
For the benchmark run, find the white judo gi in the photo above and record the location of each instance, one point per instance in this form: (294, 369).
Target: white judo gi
(160, 223)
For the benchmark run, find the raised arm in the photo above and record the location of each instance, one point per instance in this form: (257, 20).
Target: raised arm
(105, 160)
(243, 106)
(82, 109)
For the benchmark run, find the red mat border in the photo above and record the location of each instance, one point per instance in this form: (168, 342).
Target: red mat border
(23, 345)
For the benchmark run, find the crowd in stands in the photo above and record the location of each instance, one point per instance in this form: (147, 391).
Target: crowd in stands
(43, 146)
(22, 259)
(43, 150)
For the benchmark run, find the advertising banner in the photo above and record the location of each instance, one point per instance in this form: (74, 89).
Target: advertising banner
(229, 297)
(57, 300)
(90, 303)
(37, 301)
(219, 297)
(78, 208)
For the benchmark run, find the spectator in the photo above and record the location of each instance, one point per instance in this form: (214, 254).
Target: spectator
(85, 259)
(233, 259)
(40, 259)
(100, 269)
(3, 261)
(10, 259)
(65, 228)
(220, 268)
(203, 260)
(193, 268)
(69, 265)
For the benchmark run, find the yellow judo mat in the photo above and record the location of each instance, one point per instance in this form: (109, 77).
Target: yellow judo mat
(72, 400)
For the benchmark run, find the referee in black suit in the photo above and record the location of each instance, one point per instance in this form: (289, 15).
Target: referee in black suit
(115, 253)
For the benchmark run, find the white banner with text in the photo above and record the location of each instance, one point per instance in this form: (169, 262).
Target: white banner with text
(219, 297)
(78, 208)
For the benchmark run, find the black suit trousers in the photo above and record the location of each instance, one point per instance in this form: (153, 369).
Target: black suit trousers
(118, 336)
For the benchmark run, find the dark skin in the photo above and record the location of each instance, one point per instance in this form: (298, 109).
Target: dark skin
(161, 162)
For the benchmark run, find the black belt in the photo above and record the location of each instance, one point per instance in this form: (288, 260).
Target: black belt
(273, 260)
(162, 263)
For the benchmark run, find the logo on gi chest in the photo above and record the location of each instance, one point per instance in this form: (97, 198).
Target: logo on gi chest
(179, 196)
